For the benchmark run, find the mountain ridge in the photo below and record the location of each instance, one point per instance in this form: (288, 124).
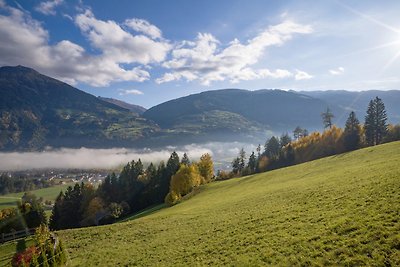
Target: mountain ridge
(37, 111)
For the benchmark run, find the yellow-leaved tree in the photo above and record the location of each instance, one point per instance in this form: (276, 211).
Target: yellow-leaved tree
(206, 168)
(183, 182)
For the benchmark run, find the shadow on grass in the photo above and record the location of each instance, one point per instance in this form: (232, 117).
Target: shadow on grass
(144, 212)
(21, 245)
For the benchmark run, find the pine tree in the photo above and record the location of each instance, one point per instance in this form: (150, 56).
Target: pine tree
(242, 160)
(252, 165)
(375, 122)
(327, 118)
(284, 140)
(236, 165)
(351, 138)
(55, 217)
(185, 159)
(272, 147)
(258, 151)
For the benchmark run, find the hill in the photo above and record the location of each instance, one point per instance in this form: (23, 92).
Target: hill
(358, 102)
(38, 111)
(133, 108)
(273, 109)
(341, 210)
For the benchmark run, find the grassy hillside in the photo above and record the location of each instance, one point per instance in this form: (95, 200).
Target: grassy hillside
(49, 193)
(341, 210)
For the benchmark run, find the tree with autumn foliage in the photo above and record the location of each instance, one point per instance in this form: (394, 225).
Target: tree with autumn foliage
(206, 168)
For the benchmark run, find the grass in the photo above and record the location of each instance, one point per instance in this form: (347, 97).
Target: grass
(49, 193)
(342, 210)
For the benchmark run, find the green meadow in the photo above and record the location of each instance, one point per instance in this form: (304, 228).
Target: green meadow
(49, 193)
(341, 210)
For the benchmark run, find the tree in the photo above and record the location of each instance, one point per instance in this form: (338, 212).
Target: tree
(185, 159)
(55, 217)
(252, 165)
(242, 160)
(206, 167)
(236, 165)
(258, 151)
(32, 210)
(351, 135)
(284, 140)
(375, 122)
(184, 180)
(327, 118)
(272, 147)
(298, 133)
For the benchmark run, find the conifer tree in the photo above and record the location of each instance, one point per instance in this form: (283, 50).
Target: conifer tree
(375, 122)
(327, 118)
(272, 147)
(252, 165)
(351, 138)
(185, 159)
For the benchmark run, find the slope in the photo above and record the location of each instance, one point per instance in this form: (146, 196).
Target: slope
(38, 111)
(340, 210)
(275, 109)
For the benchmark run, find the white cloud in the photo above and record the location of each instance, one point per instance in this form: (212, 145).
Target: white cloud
(26, 42)
(337, 71)
(143, 26)
(130, 92)
(47, 7)
(302, 75)
(118, 44)
(206, 61)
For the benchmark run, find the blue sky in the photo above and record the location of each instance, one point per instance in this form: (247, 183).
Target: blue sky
(147, 52)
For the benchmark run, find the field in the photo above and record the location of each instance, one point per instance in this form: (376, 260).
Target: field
(341, 210)
(50, 193)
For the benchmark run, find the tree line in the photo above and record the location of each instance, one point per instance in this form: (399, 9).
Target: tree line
(284, 151)
(134, 189)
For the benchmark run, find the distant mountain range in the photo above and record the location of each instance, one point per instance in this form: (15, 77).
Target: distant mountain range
(38, 111)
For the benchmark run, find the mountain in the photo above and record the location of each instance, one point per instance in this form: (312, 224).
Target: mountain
(38, 111)
(275, 110)
(358, 102)
(131, 107)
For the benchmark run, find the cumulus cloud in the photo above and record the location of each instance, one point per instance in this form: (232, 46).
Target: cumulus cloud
(338, 71)
(118, 44)
(143, 26)
(130, 92)
(48, 7)
(302, 75)
(26, 42)
(138, 44)
(206, 61)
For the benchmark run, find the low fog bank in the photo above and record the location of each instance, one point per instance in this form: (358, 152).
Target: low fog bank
(87, 158)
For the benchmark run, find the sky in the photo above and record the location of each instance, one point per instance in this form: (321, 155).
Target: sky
(147, 52)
